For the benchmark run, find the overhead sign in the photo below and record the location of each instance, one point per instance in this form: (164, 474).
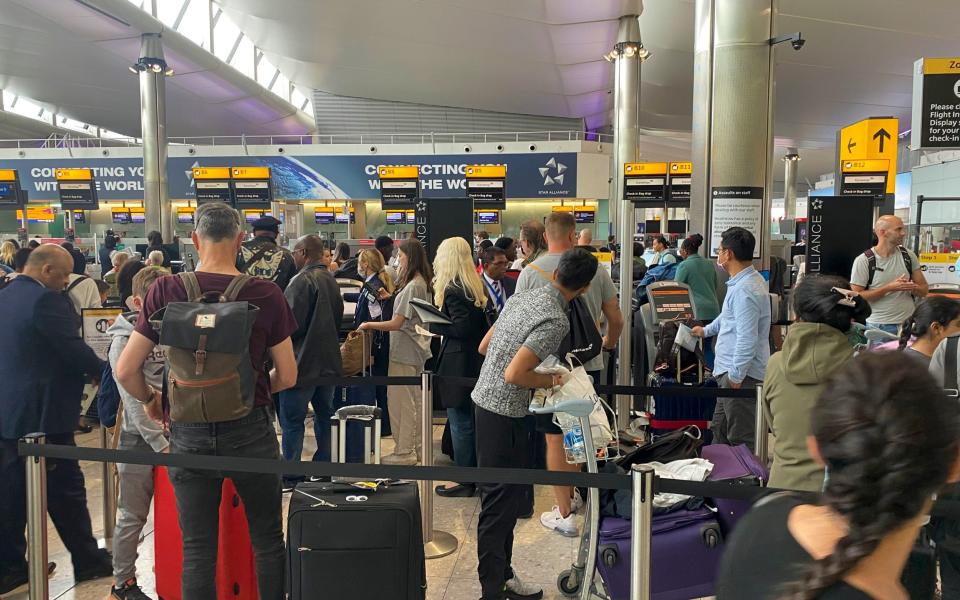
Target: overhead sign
(10, 194)
(185, 215)
(645, 183)
(211, 172)
(838, 229)
(213, 191)
(250, 172)
(252, 193)
(873, 138)
(399, 186)
(939, 267)
(866, 177)
(487, 185)
(680, 176)
(936, 103)
(736, 206)
(77, 189)
(37, 214)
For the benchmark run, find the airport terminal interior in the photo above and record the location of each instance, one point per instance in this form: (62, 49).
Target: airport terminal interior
(611, 255)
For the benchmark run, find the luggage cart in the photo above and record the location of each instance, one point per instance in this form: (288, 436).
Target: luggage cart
(578, 580)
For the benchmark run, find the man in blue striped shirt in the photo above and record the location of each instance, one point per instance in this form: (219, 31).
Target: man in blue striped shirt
(743, 338)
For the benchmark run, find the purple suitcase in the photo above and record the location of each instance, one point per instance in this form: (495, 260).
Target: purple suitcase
(686, 555)
(733, 464)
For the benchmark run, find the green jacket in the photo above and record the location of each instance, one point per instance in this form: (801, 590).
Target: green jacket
(701, 275)
(795, 378)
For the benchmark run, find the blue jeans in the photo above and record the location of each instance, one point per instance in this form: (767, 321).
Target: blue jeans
(464, 435)
(293, 412)
(893, 328)
(198, 501)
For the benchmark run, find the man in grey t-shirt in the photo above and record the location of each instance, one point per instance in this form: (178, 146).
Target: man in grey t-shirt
(530, 328)
(602, 303)
(892, 289)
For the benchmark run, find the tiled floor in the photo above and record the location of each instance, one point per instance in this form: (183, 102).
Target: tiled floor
(539, 555)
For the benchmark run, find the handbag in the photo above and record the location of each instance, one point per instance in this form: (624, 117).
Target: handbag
(679, 444)
(355, 353)
(576, 385)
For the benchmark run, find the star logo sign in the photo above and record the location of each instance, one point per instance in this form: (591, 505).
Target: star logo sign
(553, 172)
(421, 206)
(817, 204)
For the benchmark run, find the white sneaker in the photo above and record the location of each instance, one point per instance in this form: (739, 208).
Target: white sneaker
(577, 503)
(407, 458)
(521, 589)
(564, 526)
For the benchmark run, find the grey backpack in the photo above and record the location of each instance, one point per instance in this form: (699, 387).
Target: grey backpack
(209, 376)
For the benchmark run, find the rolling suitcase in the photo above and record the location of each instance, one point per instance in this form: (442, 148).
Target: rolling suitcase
(733, 464)
(673, 411)
(236, 568)
(354, 395)
(686, 549)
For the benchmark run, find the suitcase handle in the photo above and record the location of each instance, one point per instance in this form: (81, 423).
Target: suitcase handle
(356, 411)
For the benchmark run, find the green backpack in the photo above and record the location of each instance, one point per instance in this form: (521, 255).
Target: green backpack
(209, 376)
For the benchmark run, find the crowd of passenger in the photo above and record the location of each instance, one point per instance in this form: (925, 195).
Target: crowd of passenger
(874, 433)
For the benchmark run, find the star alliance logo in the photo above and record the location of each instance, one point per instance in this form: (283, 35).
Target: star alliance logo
(421, 206)
(553, 172)
(817, 204)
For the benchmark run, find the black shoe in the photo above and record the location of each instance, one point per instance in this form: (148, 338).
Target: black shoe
(12, 581)
(526, 515)
(128, 591)
(101, 565)
(461, 490)
(81, 428)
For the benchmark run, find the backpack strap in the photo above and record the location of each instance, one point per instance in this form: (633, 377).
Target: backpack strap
(256, 257)
(191, 285)
(541, 272)
(907, 261)
(950, 364)
(233, 289)
(75, 283)
(871, 266)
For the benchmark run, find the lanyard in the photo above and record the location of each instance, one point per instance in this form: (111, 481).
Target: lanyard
(498, 297)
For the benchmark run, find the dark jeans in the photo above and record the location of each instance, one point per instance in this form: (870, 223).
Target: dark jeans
(538, 460)
(463, 433)
(735, 419)
(66, 505)
(198, 502)
(293, 412)
(501, 442)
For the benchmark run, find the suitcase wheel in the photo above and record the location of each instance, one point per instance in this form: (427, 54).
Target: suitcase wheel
(567, 587)
(609, 555)
(711, 536)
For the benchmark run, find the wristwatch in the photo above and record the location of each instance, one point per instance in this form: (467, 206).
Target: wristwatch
(152, 391)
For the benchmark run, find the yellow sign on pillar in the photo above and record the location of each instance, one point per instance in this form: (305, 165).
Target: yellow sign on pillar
(872, 139)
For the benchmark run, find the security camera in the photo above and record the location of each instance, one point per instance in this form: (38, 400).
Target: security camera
(373, 149)
(191, 151)
(280, 150)
(499, 147)
(106, 153)
(798, 43)
(21, 154)
(533, 147)
(467, 149)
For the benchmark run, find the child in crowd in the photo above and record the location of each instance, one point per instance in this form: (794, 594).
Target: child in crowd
(138, 432)
(104, 289)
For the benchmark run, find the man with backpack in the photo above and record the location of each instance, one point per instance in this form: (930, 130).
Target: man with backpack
(43, 363)
(263, 258)
(218, 327)
(137, 432)
(888, 276)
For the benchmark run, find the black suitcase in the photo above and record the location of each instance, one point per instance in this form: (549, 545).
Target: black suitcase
(363, 550)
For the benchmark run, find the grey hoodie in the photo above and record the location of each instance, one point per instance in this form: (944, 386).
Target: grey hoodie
(135, 419)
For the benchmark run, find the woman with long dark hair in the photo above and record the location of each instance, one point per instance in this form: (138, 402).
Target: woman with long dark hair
(934, 319)
(815, 348)
(409, 351)
(888, 438)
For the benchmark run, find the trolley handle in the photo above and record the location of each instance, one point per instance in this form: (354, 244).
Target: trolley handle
(579, 407)
(356, 411)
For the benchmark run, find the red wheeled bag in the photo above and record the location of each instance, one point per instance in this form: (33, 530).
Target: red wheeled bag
(236, 568)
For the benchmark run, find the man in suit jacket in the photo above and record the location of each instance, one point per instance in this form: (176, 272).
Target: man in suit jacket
(499, 288)
(43, 361)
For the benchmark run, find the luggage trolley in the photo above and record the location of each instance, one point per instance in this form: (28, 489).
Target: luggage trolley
(578, 580)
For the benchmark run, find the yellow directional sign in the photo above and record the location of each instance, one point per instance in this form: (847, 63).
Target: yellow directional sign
(251, 172)
(486, 171)
(681, 168)
(399, 172)
(874, 138)
(868, 165)
(211, 172)
(652, 168)
(8, 174)
(74, 174)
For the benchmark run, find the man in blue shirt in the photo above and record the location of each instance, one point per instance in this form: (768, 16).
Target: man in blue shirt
(743, 338)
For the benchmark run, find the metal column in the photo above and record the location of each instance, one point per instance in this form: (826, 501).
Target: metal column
(791, 164)
(37, 521)
(641, 532)
(436, 543)
(761, 439)
(109, 500)
(152, 69)
(732, 140)
(627, 56)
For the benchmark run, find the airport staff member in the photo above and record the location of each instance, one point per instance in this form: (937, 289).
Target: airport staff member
(888, 276)
(43, 362)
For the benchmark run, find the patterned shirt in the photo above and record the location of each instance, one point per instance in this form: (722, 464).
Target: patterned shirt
(534, 318)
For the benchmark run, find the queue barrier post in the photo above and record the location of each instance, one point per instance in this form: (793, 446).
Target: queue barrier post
(436, 543)
(641, 532)
(37, 520)
(761, 438)
(109, 500)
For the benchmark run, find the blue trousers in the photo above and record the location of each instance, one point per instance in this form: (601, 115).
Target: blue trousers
(293, 412)
(464, 435)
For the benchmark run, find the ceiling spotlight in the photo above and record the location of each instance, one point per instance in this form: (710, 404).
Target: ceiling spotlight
(133, 69)
(156, 68)
(642, 53)
(169, 72)
(629, 50)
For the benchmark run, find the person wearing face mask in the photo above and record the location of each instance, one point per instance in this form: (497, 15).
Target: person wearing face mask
(888, 276)
(743, 332)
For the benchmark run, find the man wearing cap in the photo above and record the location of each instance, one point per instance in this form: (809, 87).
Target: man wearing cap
(263, 258)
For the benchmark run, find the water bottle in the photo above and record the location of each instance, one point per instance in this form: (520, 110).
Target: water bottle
(574, 446)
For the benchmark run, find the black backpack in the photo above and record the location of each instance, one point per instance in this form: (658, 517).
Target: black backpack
(872, 264)
(669, 358)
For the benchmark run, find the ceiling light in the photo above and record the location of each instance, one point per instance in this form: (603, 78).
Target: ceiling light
(156, 68)
(133, 69)
(169, 72)
(643, 54)
(629, 50)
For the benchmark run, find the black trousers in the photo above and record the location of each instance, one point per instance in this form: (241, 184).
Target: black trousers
(501, 442)
(66, 505)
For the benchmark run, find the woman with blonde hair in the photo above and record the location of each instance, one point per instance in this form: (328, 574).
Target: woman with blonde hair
(409, 351)
(7, 251)
(459, 292)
